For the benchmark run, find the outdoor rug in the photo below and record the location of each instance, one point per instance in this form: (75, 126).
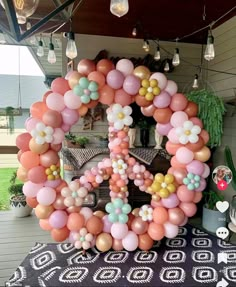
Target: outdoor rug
(193, 258)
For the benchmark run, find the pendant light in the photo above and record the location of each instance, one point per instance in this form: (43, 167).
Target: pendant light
(51, 53)
(157, 55)
(71, 50)
(40, 50)
(176, 59)
(134, 31)
(146, 45)
(195, 82)
(119, 7)
(167, 66)
(210, 50)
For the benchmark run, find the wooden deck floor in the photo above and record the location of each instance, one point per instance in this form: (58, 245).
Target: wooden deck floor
(17, 237)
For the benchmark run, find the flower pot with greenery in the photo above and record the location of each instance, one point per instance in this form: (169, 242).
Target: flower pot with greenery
(74, 141)
(212, 218)
(102, 140)
(18, 202)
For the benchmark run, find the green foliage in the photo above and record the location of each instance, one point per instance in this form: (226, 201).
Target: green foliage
(210, 111)
(15, 188)
(71, 137)
(229, 162)
(211, 197)
(74, 139)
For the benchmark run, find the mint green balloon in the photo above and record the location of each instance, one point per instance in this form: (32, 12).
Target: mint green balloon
(190, 175)
(196, 184)
(123, 218)
(78, 90)
(112, 217)
(118, 203)
(109, 207)
(93, 86)
(197, 177)
(84, 82)
(126, 208)
(94, 95)
(190, 186)
(85, 99)
(185, 180)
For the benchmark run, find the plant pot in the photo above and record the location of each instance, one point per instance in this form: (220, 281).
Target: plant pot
(144, 137)
(213, 219)
(19, 206)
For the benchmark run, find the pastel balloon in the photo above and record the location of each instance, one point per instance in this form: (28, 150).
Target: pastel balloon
(31, 201)
(131, 84)
(31, 123)
(86, 212)
(53, 183)
(160, 215)
(145, 242)
(71, 100)
(52, 118)
(37, 174)
(22, 141)
(139, 226)
(97, 77)
(172, 147)
(29, 159)
(197, 197)
(130, 242)
(46, 195)
(45, 95)
(171, 87)
(117, 244)
(191, 109)
(45, 225)
(106, 95)
(156, 231)
(58, 136)
(178, 102)
(184, 221)
(56, 147)
(195, 146)
(184, 155)
(196, 167)
(142, 72)
(60, 234)
(172, 136)
(171, 201)
(58, 219)
(178, 119)
(119, 230)
(115, 79)
(49, 158)
(75, 221)
(141, 101)
(179, 175)
(161, 79)
(203, 154)
(82, 110)
(176, 164)
(148, 111)
(22, 174)
(70, 117)
(55, 102)
(43, 212)
(189, 208)
(106, 224)
(163, 129)
(60, 85)
(197, 121)
(184, 194)
(122, 98)
(31, 189)
(162, 116)
(85, 67)
(171, 230)
(176, 215)
(202, 185)
(105, 66)
(94, 225)
(205, 136)
(206, 171)
(59, 202)
(104, 242)
(73, 79)
(38, 109)
(162, 100)
(125, 66)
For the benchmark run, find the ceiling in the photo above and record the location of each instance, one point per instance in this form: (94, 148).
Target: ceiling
(165, 20)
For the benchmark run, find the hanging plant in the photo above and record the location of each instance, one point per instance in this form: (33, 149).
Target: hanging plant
(210, 110)
(10, 119)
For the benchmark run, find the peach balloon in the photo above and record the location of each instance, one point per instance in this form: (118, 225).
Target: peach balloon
(122, 98)
(44, 224)
(189, 208)
(191, 110)
(61, 234)
(37, 174)
(52, 118)
(195, 146)
(156, 231)
(61, 185)
(139, 226)
(117, 244)
(92, 104)
(178, 102)
(184, 194)
(43, 212)
(82, 110)
(197, 197)
(180, 174)
(45, 95)
(22, 174)
(106, 95)
(29, 159)
(38, 109)
(56, 147)
(197, 121)
(145, 242)
(104, 242)
(94, 225)
(99, 213)
(60, 86)
(38, 148)
(141, 101)
(176, 164)
(59, 202)
(142, 72)
(176, 215)
(86, 66)
(205, 136)
(172, 148)
(32, 201)
(203, 154)
(49, 158)
(22, 141)
(97, 77)
(75, 221)
(162, 116)
(148, 111)
(105, 66)
(160, 215)
(74, 79)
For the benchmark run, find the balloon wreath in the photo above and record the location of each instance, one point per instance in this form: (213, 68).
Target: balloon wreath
(58, 205)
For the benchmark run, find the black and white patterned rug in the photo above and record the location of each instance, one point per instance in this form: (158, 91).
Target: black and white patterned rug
(191, 259)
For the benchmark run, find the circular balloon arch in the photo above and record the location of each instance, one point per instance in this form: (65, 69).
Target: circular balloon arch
(174, 195)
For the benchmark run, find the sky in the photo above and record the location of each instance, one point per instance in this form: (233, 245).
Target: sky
(9, 64)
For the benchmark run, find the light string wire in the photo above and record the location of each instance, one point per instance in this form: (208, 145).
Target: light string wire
(19, 80)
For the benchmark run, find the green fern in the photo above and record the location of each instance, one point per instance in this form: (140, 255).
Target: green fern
(230, 164)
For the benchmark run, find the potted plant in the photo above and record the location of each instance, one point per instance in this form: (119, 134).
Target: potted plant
(81, 141)
(103, 140)
(211, 217)
(74, 141)
(18, 200)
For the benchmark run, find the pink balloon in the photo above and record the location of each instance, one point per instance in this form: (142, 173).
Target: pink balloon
(86, 212)
(161, 78)
(197, 197)
(70, 117)
(206, 171)
(31, 189)
(115, 79)
(71, 237)
(196, 167)
(156, 203)
(171, 87)
(37, 174)
(130, 242)
(131, 84)
(119, 230)
(58, 136)
(179, 175)
(202, 185)
(58, 219)
(178, 118)
(125, 66)
(197, 121)
(71, 100)
(122, 98)
(52, 183)
(163, 129)
(31, 123)
(148, 111)
(184, 194)
(69, 74)
(189, 208)
(106, 224)
(65, 128)
(60, 85)
(184, 155)
(171, 201)
(46, 196)
(86, 66)
(55, 102)
(172, 136)
(162, 100)
(178, 102)
(184, 221)
(171, 230)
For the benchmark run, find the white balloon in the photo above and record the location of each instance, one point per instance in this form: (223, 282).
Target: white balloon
(171, 87)
(193, 138)
(161, 78)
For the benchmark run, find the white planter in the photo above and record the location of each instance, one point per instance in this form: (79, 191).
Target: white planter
(20, 207)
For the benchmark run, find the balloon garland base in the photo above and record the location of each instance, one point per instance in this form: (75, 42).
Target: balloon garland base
(59, 206)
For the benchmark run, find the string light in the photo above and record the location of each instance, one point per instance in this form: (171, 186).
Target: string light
(167, 66)
(40, 50)
(119, 7)
(210, 50)
(51, 53)
(134, 31)
(195, 82)
(157, 55)
(146, 45)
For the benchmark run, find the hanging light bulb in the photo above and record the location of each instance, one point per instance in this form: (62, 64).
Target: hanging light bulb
(167, 66)
(176, 59)
(157, 55)
(28, 25)
(2, 38)
(51, 53)
(195, 82)
(33, 40)
(134, 31)
(146, 45)
(71, 50)
(210, 51)
(24, 9)
(119, 7)
(40, 50)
